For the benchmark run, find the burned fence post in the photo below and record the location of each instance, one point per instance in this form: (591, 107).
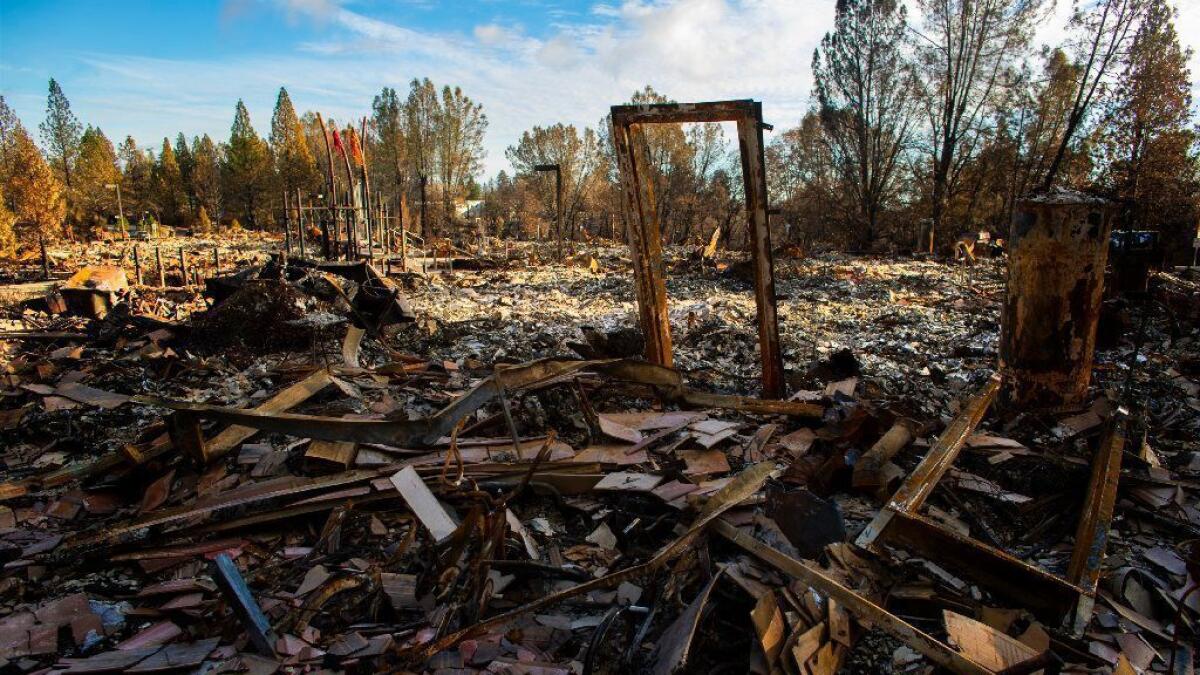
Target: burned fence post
(645, 234)
(300, 222)
(137, 265)
(1058, 248)
(216, 260)
(162, 275)
(183, 271)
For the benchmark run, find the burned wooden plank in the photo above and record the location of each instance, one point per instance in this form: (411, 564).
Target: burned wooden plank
(869, 472)
(754, 175)
(229, 580)
(1091, 536)
(1048, 596)
(985, 644)
(336, 454)
(933, 649)
(430, 430)
(682, 113)
(920, 483)
(216, 447)
(645, 241)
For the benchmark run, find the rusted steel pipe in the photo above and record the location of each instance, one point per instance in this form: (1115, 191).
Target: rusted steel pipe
(1058, 248)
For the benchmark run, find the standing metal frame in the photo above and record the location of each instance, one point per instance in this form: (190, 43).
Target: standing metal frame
(645, 234)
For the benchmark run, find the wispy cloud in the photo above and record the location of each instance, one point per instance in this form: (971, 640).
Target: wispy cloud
(570, 71)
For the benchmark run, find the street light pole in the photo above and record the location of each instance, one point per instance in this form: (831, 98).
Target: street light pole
(120, 209)
(558, 210)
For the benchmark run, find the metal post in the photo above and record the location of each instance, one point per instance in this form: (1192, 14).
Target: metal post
(424, 225)
(121, 212)
(370, 232)
(162, 275)
(403, 232)
(45, 256)
(287, 224)
(137, 266)
(300, 222)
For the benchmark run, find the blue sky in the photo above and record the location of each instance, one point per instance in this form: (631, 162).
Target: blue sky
(152, 68)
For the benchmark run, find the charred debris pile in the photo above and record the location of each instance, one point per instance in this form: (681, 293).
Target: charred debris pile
(318, 466)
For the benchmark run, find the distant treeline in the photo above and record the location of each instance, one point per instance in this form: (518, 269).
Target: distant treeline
(918, 131)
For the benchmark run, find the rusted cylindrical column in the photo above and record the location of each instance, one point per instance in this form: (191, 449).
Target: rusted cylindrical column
(1057, 251)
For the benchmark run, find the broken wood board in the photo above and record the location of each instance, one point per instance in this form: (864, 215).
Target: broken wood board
(985, 644)
(424, 504)
(926, 644)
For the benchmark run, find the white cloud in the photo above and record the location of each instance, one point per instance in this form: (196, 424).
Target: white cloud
(693, 50)
(495, 35)
(686, 49)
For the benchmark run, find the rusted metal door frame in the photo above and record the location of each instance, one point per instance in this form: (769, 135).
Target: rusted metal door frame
(645, 233)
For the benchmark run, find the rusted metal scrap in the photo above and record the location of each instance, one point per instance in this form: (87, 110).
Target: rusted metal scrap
(1057, 255)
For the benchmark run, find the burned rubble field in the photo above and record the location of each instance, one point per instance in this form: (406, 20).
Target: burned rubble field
(316, 470)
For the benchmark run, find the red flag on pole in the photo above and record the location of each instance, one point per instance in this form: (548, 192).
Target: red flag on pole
(355, 148)
(337, 141)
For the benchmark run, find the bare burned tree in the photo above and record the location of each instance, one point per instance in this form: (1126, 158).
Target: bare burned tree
(864, 86)
(1104, 32)
(964, 51)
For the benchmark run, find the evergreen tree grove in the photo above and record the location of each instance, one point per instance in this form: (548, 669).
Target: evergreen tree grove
(168, 187)
(295, 164)
(96, 169)
(34, 190)
(246, 174)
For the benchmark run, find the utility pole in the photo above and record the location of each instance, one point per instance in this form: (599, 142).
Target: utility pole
(558, 209)
(120, 208)
(424, 225)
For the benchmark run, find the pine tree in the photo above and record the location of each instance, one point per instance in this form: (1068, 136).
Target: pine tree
(203, 223)
(246, 173)
(295, 164)
(459, 145)
(137, 187)
(8, 237)
(61, 133)
(206, 175)
(9, 125)
(183, 155)
(422, 111)
(1151, 169)
(34, 190)
(168, 186)
(96, 169)
(387, 143)
(863, 86)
